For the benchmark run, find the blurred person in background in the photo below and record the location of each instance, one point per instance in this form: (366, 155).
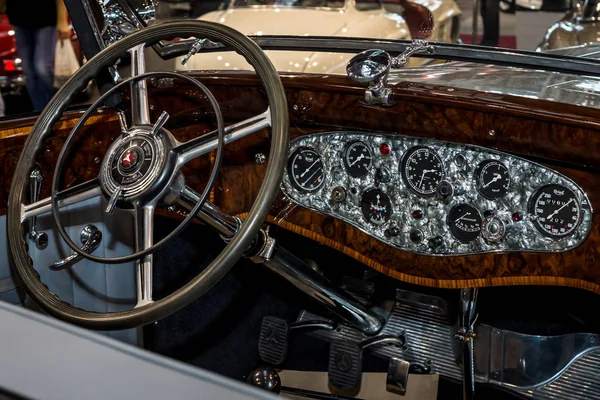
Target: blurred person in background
(38, 24)
(490, 13)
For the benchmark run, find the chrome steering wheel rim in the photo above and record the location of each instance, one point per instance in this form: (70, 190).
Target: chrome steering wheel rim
(234, 249)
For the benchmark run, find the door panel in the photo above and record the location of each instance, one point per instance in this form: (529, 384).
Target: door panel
(92, 286)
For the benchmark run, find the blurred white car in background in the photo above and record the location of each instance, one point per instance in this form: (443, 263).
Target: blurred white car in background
(418, 19)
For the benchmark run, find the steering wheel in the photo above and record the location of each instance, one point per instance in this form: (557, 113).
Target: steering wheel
(142, 169)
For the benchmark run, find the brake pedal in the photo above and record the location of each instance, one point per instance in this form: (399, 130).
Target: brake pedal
(273, 341)
(345, 360)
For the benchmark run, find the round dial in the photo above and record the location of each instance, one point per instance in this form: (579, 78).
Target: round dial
(422, 169)
(305, 170)
(464, 222)
(357, 159)
(376, 206)
(493, 179)
(555, 211)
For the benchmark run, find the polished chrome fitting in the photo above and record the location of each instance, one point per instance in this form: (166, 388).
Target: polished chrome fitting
(373, 67)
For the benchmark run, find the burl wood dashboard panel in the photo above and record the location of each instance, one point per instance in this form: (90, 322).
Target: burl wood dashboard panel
(562, 137)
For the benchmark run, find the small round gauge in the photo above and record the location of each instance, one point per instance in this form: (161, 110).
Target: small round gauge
(305, 170)
(357, 158)
(422, 169)
(555, 211)
(493, 179)
(464, 222)
(376, 206)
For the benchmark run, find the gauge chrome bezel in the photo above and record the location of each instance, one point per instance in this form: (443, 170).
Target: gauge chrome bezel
(450, 223)
(389, 200)
(533, 215)
(479, 181)
(407, 181)
(294, 181)
(345, 163)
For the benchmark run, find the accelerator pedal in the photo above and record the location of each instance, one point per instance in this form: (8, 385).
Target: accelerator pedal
(345, 360)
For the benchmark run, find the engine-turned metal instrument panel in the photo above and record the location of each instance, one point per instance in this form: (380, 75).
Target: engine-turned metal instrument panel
(433, 197)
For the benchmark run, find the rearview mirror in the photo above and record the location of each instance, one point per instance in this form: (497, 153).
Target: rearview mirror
(369, 66)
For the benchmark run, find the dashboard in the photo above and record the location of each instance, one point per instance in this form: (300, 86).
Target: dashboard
(436, 198)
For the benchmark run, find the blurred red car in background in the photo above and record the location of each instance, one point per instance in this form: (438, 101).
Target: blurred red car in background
(12, 80)
(11, 73)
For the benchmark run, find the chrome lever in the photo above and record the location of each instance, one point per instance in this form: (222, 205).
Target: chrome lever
(35, 186)
(90, 238)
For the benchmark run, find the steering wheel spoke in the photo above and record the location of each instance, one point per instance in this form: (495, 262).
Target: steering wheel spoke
(206, 143)
(144, 231)
(73, 195)
(140, 106)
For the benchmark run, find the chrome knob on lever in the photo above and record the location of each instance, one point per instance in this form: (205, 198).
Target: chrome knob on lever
(35, 186)
(90, 238)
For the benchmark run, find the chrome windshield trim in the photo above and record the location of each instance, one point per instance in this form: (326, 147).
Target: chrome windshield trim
(443, 51)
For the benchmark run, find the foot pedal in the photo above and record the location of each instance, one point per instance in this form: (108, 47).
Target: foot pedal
(273, 341)
(345, 365)
(397, 377)
(345, 359)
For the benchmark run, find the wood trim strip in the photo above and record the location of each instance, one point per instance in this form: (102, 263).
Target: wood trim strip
(438, 283)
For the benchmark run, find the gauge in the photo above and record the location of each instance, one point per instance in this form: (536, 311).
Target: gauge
(493, 179)
(357, 158)
(376, 206)
(305, 170)
(555, 211)
(422, 169)
(464, 222)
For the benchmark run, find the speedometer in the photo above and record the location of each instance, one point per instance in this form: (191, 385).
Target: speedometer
(555, 211)
(305, 170)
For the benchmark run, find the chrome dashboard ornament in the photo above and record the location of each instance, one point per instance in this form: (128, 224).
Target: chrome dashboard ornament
(373, 67)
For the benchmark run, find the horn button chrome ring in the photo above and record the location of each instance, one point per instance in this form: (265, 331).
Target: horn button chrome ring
(133, 164)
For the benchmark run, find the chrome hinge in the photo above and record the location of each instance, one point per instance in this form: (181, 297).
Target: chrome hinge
(35, 186)
(268, 247)
(198, 45)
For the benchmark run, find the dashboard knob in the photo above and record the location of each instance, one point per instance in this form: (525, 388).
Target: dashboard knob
(382, 175)
(391, 232)
(445, 190)
(338, 194)
(436, 241)
(493, 230)
(416, 236)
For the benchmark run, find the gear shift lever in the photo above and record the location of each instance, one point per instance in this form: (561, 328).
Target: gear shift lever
(265, 378)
